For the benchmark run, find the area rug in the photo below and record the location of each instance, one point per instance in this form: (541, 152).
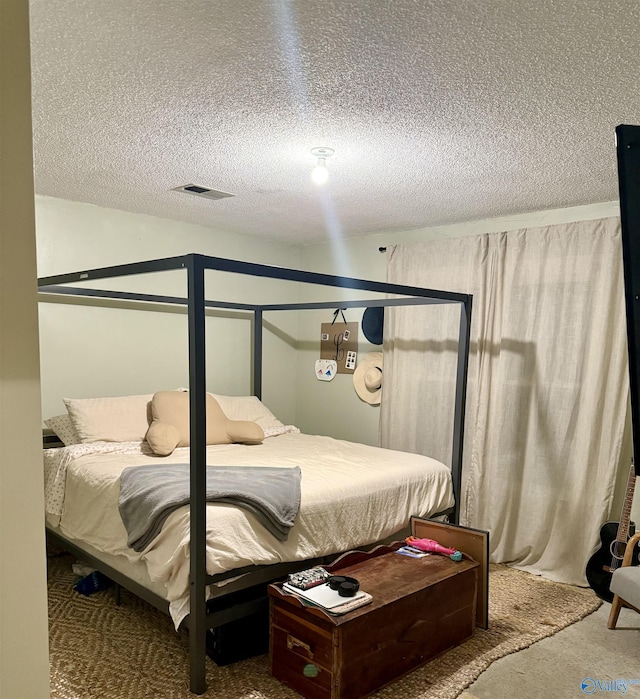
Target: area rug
(102, 651)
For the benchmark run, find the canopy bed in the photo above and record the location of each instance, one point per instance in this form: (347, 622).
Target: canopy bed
(218, 569)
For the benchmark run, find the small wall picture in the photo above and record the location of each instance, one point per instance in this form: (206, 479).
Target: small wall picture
(326, 369)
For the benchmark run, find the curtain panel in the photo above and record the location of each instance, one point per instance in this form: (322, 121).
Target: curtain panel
(547, 391)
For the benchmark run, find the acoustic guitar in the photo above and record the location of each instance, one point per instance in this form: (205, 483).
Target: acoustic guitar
(613, 536)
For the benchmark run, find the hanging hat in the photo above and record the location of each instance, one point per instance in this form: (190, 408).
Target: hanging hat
(367, 378)
(372, 324)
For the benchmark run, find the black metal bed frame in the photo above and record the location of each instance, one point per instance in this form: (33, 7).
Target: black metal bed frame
(199, 620)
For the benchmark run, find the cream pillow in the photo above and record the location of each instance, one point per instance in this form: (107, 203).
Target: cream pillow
(248, 408)
(170, 424)
(112, 419)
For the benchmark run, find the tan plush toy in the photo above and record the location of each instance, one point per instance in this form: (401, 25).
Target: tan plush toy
(170, 424)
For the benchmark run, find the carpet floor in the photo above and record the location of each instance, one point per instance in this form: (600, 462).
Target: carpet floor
(102, 651)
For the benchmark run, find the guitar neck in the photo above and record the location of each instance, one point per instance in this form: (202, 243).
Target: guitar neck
(625, 517)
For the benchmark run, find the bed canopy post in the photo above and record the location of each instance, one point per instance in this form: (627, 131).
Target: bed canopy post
(257, 353)
(198, 456)
(460, 400)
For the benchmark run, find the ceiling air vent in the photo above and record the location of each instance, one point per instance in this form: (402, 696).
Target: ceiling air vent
(205, 192)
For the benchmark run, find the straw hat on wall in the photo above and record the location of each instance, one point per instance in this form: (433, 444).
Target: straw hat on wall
(367, 378)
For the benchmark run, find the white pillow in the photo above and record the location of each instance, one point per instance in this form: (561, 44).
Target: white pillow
(63, 427)
(248, 408)
(113, 419)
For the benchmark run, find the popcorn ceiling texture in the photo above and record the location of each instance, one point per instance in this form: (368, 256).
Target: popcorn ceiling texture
(439, 111)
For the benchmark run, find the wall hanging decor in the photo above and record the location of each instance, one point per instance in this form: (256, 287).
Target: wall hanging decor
(367, 378)
(373, 324)
(326, 369)
(339, 341)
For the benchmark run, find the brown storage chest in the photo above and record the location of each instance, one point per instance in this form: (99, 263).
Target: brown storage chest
(420, 608)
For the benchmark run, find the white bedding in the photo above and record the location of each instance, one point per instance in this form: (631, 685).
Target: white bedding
(352, 495)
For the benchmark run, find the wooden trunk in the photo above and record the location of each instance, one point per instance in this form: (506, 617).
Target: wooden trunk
(420, 608)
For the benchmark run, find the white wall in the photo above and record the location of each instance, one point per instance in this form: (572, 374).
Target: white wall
(24, 660)
(110, 351)
(94, 349)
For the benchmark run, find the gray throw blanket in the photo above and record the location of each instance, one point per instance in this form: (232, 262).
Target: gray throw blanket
(149, 494)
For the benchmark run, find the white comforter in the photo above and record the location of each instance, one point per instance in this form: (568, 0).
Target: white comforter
(352, 495)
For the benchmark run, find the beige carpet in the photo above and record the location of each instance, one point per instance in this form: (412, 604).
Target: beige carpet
(100, 651)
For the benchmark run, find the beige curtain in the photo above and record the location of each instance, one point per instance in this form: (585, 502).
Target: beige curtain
(547, 390)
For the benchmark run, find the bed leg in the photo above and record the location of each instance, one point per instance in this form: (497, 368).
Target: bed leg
(197, 657)
(118, 595)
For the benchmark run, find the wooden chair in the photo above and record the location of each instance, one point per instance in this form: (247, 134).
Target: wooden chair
(625, 584)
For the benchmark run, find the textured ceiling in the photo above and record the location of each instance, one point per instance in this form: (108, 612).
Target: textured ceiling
(439, 111)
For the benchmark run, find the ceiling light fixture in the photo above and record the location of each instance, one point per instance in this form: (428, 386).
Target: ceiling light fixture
(320, 174)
